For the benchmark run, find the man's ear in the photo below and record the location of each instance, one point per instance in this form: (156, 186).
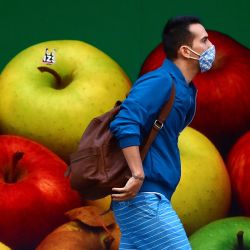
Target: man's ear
(184, 51)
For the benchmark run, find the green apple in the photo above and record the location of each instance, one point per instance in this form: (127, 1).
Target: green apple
(53, 103)
(232, 233)
(204, 192)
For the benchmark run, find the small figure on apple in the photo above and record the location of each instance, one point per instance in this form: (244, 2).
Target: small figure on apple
(49, 58)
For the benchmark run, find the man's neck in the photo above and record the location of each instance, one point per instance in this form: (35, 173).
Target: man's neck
(188, 70)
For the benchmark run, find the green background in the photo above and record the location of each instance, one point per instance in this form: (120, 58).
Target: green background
(125, 30)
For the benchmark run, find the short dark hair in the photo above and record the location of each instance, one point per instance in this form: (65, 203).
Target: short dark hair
(176, 33)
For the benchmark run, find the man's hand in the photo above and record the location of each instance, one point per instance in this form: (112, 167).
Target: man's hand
(129, 191)
(133, 185)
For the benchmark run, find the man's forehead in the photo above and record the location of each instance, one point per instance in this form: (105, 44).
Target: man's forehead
(198, 30)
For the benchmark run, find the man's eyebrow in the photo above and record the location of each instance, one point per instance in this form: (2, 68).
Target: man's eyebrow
(204, 37)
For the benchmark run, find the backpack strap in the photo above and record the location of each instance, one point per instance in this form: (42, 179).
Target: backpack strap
(158, 124)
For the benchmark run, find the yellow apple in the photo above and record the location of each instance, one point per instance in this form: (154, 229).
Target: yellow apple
(88, 229)
(53, 103)
(76, 236)
(204, 192)
(3, 247)
(103, 203)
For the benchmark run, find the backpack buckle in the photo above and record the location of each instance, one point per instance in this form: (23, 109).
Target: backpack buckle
(158, 124)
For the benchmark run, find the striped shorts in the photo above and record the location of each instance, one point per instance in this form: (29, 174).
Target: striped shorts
(149, 222)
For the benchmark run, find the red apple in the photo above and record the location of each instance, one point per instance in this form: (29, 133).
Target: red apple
(223, 92)
(239, 170)
(34, 194)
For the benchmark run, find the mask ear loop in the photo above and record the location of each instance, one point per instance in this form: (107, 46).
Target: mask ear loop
(195, 54)
(194, 58)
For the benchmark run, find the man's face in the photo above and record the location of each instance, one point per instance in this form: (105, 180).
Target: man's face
(200, 41)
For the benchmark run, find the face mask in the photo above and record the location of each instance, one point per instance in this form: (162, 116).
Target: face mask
(206, 58)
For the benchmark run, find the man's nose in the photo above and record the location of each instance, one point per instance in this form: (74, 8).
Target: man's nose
(209, 44)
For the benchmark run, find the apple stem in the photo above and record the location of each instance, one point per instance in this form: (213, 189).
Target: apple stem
(108, 241)
(240, 240)
(11, 175)
(53, 72)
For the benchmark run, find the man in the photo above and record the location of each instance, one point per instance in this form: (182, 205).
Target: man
(142, 208)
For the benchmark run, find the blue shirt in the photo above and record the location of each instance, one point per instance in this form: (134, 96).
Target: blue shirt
(162, 166)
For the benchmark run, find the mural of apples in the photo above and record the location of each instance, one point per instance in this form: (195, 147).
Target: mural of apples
(204, 193)
(223, 98)
(34, 195)
(238, 164)
(89, 229)
(232, 233)
(53, 103)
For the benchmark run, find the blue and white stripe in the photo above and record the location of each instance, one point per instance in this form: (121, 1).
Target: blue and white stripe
(148, 222)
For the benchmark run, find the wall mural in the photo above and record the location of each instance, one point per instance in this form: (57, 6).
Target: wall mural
(50, 91)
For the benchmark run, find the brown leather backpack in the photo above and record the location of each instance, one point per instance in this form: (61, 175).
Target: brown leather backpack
(99, 164)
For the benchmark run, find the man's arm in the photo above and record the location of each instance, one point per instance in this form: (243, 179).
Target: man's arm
(132, 155)
(135, 112)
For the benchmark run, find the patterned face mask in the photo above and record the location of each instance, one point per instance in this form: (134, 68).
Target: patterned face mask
(205, 59)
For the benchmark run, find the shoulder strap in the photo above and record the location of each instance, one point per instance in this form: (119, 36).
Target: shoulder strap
(158, 124)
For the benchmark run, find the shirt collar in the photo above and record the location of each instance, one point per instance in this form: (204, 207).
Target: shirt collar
(172, 69)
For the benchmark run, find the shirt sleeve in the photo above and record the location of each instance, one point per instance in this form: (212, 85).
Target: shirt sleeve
(145, 100)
